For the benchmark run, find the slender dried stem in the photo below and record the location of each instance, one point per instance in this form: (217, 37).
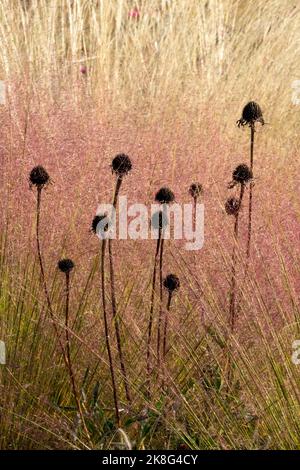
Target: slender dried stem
(234, 261)
(150, 324)
(65, 354)
(43, 277)
(166, 325)
(68, 354)
(194, 212)
(165, 338)
(114, 302)
(250, 194)
(232, 304)
(160, 300)
(107, 340)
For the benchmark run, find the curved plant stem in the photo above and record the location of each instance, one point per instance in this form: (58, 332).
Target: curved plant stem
(165, 337)
(114, 302)
(160, 300)
(107, 333)
(150, 323)
(232, 304)
(65, 354)
(194, 212)
(43, 277)
(166, 325)
(250, 195)
(234, 261)
(68, 354)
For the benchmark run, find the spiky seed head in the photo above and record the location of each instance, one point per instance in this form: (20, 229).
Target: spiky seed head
(171, 282)
(65, 265)
(251, 113)
(96, 221)
(39, 177)
(159, 220)
(232, 206)
(242, 174)
(121, 165)
(195, 190)
(165, 196)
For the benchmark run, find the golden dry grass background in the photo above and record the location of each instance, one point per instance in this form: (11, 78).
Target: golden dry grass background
(177, 55)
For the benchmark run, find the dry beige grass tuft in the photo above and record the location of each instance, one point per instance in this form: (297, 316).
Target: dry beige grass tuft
(184, 54)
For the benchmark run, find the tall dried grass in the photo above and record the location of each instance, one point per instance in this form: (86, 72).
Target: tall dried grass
(167, 89)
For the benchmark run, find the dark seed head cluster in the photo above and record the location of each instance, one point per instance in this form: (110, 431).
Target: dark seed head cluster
(65, 265)
(171, 282)
(121, 165)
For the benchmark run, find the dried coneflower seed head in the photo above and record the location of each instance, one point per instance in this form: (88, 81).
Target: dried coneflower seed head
(242, 174)
(171, 282)
(165, 196)
(65, 265)
(38, 177)
(195, 190)
(121, 164)
(251, 113)
(232, 206)
(96, 221)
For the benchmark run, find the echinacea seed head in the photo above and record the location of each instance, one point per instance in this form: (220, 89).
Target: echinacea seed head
(171, 282)
(251, 113)
(232, 206)
(65, 265)
(242, 174)
(39, 177)
(195, 190)
(100, 224)
(121, 165)
(165, 196)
